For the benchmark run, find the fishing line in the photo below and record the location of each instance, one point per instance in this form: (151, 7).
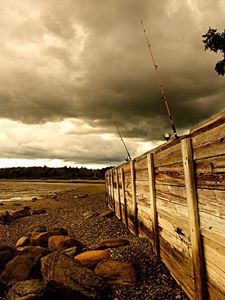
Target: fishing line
(117, 129)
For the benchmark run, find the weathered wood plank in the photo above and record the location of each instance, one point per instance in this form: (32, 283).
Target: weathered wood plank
(152, 194)
(118, 194)
(197, 251)
(174, 209)
(141, 175)
(112, 188)
(173, 194)
(210, 143)
(215, 119)
(170, 175)
(180, 265)
(140, 164)
(213, 224)
(178, 228)
(212, 202)
(210, 173)
(168, 157)
(124, 199)
(135, 211)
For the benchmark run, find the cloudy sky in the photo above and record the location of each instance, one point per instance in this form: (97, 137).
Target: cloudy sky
(63, 62)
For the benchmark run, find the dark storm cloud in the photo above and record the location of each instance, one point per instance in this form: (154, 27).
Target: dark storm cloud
(63, 59)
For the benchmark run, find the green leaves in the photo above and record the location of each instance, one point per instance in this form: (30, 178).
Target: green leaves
(215, 41)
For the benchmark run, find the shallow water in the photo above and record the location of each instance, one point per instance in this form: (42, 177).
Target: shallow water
(26, 190)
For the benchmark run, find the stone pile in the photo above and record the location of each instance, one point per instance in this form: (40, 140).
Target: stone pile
(48, 264)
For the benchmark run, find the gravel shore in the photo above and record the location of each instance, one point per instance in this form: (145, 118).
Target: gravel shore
(154, 280)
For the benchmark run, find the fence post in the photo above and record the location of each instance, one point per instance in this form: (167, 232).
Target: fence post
(106, 189)
(118, 193)
(134, 198)
(194, 225)
(152, 194)
(112, 183)
(124, 197)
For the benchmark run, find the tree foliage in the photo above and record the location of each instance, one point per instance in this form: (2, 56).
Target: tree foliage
(52, 173)
(215, 41)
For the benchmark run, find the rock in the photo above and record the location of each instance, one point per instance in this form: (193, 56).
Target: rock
(20, 213)
(115, 272)
(34, 199)
(58, 231)
(38, 211)
(54, 197)
(17, 269)
(6, 254)
(36, 228)
(107, 213)
(1, 203)
(61, 242)
(113, 243)
(36, 252)
(90, 214)
(23, 241)
(41, 238)
(60, 271)
(71, 252)
(20, 267)
(5, 218)
(27, 290)
(92, 258)
(17, 204)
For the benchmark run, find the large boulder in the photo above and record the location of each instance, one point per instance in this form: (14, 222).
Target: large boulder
(60, 242)
(17, 269)
(111, 243)
(27, 290)
(40, 238)
(63, 273)
(20, 267)
(6, 254)
(36, 252)
(92, 258)
(116, 272)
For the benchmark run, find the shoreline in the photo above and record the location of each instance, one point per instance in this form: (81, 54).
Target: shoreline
(67, 210)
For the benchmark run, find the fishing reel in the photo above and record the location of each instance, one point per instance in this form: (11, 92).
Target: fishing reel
(167, 136)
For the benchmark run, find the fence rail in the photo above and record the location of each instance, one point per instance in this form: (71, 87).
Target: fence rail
(175, 196)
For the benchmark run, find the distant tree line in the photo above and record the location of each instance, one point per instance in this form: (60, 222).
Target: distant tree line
(52, 173)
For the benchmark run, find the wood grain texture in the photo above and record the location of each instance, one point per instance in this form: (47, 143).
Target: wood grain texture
(197, 251)
(181, 180)
(168, 156)
(152, 197)
(210, 143)
(118, 194)
(135, 211)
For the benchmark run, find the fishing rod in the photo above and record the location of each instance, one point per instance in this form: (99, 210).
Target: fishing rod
(118, 131)
(162, 89)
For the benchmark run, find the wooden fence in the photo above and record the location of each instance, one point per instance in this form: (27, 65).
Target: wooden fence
(175, 196)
